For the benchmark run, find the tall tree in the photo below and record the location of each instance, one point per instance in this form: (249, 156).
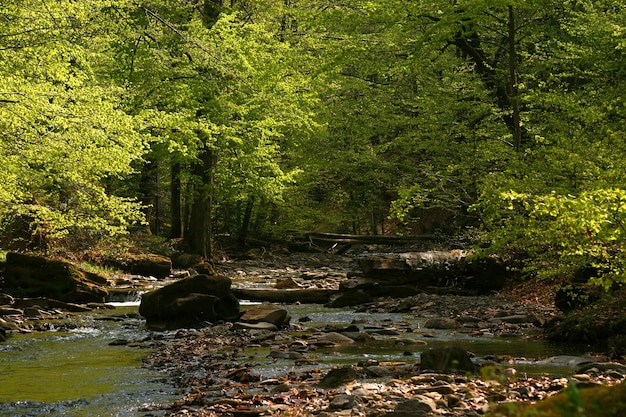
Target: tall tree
(221, 92)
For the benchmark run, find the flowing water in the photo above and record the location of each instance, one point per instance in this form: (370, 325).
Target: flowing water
(76, 372)
(529, 356)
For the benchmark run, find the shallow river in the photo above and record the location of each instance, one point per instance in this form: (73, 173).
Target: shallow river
(77, 372)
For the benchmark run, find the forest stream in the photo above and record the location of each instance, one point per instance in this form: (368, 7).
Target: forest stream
(88, 367)
(105, 363)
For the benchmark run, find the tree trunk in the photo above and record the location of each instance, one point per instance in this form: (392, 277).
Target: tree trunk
(245, 224)
(517, 126)
(175, 192)
(199, 233)
(148, 184)
(470, 46)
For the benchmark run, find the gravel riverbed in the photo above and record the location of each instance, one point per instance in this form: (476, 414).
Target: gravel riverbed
(223, 369)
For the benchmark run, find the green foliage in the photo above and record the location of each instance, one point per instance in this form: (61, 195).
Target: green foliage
(63, 130)
(584, 230)
(319, 115)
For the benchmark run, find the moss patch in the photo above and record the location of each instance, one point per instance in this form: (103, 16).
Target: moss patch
(602, 401)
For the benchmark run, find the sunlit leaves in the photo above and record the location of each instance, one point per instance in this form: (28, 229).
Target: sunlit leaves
(584, 229)
(64, 130)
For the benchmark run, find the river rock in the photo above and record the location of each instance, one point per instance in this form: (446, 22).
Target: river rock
(341, 402)
(183, 260)
(603, 367)
(37, 276)
(190, 302)
(350, 298)
(332, 339)
(419, 405)
(446, 359)
(268, 313)
(338, 376)
(441, 323)
(260, 326)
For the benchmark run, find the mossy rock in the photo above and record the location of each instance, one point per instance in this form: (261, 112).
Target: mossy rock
(601, 401)
(145, 264)
(37, 276)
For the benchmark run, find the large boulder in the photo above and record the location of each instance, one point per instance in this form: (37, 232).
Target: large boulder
(190, 302)
(37, 276)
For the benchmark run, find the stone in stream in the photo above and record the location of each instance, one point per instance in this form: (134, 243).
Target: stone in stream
(446, 359)
(145, 264)
(337, 377)
(332, 339)
(419, 405)
(350, 298)
(441, 323)
(190, 302)
(267, 313)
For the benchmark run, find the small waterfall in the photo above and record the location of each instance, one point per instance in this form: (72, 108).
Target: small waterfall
(125, 296)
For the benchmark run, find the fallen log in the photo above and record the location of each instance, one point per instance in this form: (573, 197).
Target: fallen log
(371, 239)
(302, 295)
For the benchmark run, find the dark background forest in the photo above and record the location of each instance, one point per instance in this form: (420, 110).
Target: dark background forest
(499, 124)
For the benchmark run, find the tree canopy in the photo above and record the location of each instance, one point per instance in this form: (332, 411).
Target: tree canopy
(199, 118)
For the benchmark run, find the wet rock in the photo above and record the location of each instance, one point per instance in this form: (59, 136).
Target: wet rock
(48, 303)
(182, 260)
(441, 323)
(565, 360)
(446, 359)
(286, 283)
(262, 326)
(241, 375)
(332, 339)
(341, 402)
(204, 268)
(518, 319)
(303, 295)
(350, 298)
(603, 367)
(278, 354)
(360, 337)
(337, 377)
(36, 276)
(189, 302)
(268, 313)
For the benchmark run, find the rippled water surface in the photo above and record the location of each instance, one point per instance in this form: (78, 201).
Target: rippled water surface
(77, 373)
